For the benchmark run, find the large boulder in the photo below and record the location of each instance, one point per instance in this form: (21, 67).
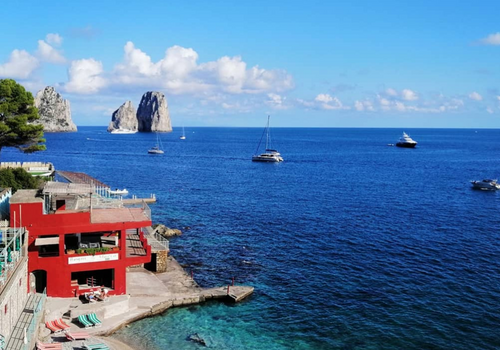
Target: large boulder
(54, 111)
(124, 118)
(152, 114)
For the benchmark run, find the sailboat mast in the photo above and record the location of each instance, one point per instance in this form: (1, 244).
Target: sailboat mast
(267, 133)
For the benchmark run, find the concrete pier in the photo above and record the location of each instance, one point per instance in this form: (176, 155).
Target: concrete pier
(149, 294)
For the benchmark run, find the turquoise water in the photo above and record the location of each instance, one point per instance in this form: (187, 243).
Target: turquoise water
(350, 244)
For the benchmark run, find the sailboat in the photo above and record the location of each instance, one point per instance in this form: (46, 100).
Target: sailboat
(183, 136)
(269, 155)
(158, 148)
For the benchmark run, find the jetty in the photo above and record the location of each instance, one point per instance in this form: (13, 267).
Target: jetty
(100, 187)
(148, 294)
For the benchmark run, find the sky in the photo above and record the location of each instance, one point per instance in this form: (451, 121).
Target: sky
(401, 64)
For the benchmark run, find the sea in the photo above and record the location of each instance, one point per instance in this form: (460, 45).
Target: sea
(350, 243)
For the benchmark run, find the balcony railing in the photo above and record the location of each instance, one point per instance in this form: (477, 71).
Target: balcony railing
(12, 251)
(155, 240)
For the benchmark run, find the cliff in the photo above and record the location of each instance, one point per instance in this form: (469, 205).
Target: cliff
(152, 114)
(124, 118)
(54, 111)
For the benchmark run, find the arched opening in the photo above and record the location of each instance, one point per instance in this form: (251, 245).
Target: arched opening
(40, 280)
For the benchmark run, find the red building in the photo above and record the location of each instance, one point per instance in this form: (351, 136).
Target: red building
(79, 241)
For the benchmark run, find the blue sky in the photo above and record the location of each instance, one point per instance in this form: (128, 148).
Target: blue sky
(308, 64)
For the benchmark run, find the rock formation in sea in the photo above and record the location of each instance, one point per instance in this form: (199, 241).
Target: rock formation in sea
(124, 118)
(153, 114)
(54, 111)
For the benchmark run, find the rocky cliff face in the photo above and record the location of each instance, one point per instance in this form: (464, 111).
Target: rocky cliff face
(54, 111)
(152, 114)
(124, 118)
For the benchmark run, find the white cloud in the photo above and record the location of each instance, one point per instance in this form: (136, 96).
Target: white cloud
(323, 101)
(475, 96)
(54, 39)
(409, 95)
(498, 98)
(85, 77)
(48, 54)
(179, 73)
(391, 92)
(19, 66)
(489, 110)
(323, 98)
(276, 101)
(492, 39)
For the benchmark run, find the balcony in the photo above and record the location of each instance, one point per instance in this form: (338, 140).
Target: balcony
(12, 253)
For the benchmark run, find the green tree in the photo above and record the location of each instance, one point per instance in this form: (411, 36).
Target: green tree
(18, 178)
(17, 113)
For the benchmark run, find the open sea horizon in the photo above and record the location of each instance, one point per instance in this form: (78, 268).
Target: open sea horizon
(349, 243)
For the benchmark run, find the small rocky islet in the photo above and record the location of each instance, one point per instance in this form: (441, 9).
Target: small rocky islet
(152, 115)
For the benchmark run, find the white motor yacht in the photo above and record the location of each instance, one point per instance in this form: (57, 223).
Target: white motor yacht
(123, 131)
(486, 184)
(406, 141)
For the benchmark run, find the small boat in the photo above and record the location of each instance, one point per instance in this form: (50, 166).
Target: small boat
(269, 154)
(183, 136)
(157, 149)
(117, 192)
(486, 184)
(123, 131)
(406, 141)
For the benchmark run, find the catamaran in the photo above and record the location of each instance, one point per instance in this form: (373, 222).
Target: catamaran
(157, 149)
(269, 155)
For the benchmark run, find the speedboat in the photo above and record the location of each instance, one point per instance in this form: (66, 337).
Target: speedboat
(123, 131)
(270, 155)
(486, 184)
(117, 191)
(406, 141)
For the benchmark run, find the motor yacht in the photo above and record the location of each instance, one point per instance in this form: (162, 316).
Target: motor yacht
(486, 184)
(406, 141)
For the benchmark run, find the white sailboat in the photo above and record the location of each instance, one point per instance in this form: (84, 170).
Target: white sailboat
(183, 136)
(157, 149)
(269, 155)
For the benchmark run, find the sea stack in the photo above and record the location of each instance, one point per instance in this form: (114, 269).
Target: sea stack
(124, 118)
(152, 114)
(54, 111)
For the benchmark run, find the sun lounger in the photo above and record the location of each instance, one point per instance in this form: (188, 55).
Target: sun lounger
(100, 346)
(48, 346)
(84, 321)
(77, 335)
(61, 324)
(93, 318)
(53, 326)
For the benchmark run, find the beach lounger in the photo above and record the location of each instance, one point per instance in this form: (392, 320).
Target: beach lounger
(84, 321)
(77, 335)
(93, 318)
(53, 327)
(100, 346)
(48, 346)
(61, 324)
